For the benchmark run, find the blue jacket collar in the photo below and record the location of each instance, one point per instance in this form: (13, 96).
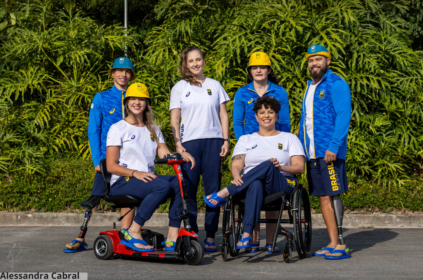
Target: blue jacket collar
(329, 72)
(270, 88)
(116, 90)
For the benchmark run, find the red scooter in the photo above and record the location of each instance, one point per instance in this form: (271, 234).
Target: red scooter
(186, 247)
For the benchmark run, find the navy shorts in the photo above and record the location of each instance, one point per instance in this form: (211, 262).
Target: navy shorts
(327, 179)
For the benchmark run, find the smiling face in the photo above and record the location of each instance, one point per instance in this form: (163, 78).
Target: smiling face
(136, 105)
(195, 63)
(121, 77)
(318, 65)
(260, 73)
(266, 117)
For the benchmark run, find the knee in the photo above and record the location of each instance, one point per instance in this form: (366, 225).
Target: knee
(325, 201)
(164, 188)
(256, 187)
(267, 164)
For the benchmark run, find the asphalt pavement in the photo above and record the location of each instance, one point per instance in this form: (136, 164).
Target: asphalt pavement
(377, 253)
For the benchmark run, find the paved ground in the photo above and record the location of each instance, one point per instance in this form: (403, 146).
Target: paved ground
(377, 254)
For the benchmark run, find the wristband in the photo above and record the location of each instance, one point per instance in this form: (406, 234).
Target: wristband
(225, 140)
(133, 172)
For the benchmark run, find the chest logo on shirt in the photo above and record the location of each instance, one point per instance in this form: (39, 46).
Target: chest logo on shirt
(255, 146)
(112, 111)
(152, 137)
(133, 137)
(209, 92)
(249, 101)
(322, 94)
(280, 146)
(188, 94)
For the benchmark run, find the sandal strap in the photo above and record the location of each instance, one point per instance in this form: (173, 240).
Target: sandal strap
(245, 239)
(82, 244)
(208, 243)
(133, 240)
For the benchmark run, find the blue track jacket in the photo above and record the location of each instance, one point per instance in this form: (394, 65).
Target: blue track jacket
(106, 110)
(243, 109)
(331, 117)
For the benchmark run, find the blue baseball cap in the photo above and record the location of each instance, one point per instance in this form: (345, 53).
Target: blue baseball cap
(317, 50)
(123, 63)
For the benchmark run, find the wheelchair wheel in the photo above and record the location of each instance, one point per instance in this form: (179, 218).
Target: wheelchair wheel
(236, 234)
(225, 252)
(302, 222)
(287, 252)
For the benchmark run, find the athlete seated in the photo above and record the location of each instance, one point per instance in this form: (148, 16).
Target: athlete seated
(132, 146)
(269, 159)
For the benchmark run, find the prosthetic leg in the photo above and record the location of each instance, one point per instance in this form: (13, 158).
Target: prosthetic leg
(338, 208)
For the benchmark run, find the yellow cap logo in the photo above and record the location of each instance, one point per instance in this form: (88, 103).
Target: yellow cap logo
(139, 87)
(112, 111)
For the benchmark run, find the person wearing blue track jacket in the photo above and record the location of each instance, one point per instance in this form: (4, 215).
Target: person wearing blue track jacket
(106, 109)
(262, 81)
(325, 120)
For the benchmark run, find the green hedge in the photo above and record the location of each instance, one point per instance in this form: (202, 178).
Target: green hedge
(69, 181)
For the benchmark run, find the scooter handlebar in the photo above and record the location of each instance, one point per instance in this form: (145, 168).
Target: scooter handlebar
(170, 159)
(160, 160)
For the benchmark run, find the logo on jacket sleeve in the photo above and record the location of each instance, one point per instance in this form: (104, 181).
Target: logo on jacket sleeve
(322, 94)
(251, 100)
(112, 111)
(209, 92)
(188, 94)
(152, 137)
(280, 146)
(255, 146)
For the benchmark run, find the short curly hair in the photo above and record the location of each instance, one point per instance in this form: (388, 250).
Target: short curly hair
(267, 101)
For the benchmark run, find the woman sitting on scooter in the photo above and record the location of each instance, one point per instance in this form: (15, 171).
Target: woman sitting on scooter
(268, 158)
(132, 146)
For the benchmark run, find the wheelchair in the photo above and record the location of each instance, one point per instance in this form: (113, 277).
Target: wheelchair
(298, 207)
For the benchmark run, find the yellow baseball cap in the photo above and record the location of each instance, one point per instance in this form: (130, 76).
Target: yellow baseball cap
(259, 59)
(137, 90)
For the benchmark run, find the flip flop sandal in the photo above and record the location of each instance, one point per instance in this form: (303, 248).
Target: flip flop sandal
(131, 241)
(222, 201)
(170, 243)
(269, 249)
(324, 249)
(209, 244)
(82, 247)
(244, 240)
(339, 254)
(253, 249)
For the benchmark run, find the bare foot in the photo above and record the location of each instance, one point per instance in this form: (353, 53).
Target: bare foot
(210, 240)
(222, 194)
(244, 235)
(324, 252)
(137, 235)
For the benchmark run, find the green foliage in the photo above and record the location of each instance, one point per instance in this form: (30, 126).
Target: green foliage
(55, 59)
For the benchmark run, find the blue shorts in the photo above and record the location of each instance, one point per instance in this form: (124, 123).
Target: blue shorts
(327, 179)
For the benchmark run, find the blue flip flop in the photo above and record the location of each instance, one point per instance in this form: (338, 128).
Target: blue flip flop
(253, 249)
(170, 243)
(244, 240)
(324, 249)
(209, 244)
(269, 249)
(131, 241)
(214, 196)
(82, 247)
(345, 254)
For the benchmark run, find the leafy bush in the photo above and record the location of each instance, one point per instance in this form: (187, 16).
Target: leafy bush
(55, 59)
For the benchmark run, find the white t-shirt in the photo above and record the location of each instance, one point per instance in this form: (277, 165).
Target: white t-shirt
(309, 118)
(258, 149)
(138, 148)
(199, 109)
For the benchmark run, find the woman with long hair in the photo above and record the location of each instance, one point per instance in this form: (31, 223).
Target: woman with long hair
(203, 132)
(261, 81)
(132, 146)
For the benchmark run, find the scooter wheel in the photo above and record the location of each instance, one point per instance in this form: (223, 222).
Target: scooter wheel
(225, 252)
(103, 247)
(196, 253)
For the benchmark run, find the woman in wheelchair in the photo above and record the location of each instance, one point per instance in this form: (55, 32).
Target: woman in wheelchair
(269, 159)
(132, 146)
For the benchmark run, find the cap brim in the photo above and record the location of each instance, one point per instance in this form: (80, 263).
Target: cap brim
(326, 54)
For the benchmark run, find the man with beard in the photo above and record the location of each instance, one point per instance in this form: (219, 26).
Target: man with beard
(325, 119)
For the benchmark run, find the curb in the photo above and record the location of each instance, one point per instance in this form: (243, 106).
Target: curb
(161, 219)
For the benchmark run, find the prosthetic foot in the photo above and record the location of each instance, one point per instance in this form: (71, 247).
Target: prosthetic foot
(79, 244)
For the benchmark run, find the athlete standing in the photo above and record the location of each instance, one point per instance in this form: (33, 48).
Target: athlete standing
(325, 120)
(262, 81)
(204, 132)
(106, 109)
